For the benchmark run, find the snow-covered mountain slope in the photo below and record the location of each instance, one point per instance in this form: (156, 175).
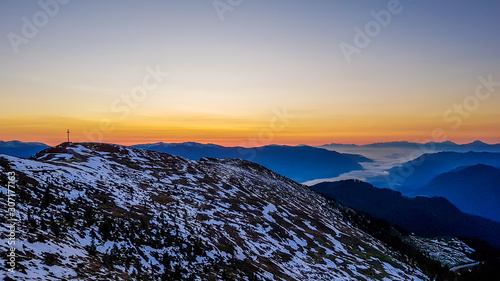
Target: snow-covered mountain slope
(449, 251)
(92, 211)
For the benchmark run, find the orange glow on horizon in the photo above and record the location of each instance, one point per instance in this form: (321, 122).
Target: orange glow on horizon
(246, 139)
(259, 131)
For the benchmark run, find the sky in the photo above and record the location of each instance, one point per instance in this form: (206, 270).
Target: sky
(249, 73)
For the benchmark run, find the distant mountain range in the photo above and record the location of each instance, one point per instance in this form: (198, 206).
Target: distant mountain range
(27, 149)
(300, 163)
(477, 146)
(469, 180)
(428, 217)
(420, 171)
(474, 189)
(21, 149)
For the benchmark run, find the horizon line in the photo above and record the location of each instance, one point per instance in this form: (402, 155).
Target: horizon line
(268, 144)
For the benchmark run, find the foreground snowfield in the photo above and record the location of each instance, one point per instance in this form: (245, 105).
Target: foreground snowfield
(107, 212)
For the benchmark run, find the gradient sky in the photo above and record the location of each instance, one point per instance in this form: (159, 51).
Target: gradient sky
(231, 80)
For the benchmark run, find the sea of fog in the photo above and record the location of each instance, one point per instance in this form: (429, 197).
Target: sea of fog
(383, 159)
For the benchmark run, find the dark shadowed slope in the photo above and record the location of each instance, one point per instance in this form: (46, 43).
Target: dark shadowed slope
(428, 217)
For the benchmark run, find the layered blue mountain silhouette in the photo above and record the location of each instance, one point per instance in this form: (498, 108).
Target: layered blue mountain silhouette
(427, 217)
(469, 180)
(21, 149)
(420, 171)
(300, 163)
(473, 189)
